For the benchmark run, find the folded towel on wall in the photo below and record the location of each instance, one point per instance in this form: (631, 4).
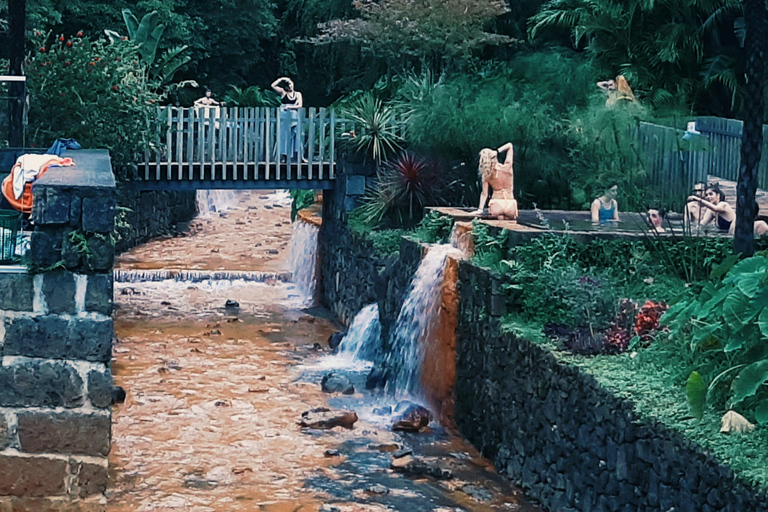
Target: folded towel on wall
(28, 167)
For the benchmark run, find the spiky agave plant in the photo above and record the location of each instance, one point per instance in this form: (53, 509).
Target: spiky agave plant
(377, 127)
(404, 187)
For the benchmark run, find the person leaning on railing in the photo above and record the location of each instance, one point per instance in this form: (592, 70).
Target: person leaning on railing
(291, 101)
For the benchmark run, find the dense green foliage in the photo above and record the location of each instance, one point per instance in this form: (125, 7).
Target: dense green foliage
(725, 328)
(95, 91)
(662, 47)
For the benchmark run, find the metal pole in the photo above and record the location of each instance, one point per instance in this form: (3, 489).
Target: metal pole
(17, 90)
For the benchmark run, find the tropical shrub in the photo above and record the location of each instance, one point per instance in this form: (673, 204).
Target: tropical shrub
(725, 328)
(375, 127)
(95, 91)
(404, 187)
(566, 295)
(603, 140)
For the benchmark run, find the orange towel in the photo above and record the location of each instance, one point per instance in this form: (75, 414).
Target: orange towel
(24, 204)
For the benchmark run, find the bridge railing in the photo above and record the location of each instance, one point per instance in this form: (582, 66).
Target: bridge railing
(233, 143)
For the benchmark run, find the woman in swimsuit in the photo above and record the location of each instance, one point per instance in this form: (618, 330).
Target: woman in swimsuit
(605, 208)
(291, 101)
(498, 176)
(716, 208)
(725, 216)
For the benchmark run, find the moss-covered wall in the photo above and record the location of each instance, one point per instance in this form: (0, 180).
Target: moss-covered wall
(567, 441)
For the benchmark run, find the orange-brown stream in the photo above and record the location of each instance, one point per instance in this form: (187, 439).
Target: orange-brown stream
(214, 394)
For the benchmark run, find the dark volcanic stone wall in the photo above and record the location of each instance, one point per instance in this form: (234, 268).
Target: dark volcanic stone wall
(567, 441)
(353, 275)
(151, 214)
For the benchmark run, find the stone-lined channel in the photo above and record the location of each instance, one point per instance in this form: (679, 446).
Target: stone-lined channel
(214, 394)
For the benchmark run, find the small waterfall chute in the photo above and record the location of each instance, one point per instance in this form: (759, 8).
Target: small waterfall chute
(213, 201)
(362, 339)
(419, 310)
(304, 253)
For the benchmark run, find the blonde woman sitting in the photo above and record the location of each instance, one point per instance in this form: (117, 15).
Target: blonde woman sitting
(498, 176)
(617, 90)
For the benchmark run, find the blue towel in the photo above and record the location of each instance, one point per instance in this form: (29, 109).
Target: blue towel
(61, 144)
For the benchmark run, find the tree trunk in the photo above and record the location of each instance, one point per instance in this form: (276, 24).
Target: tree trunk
(17, 90)
(752, 134)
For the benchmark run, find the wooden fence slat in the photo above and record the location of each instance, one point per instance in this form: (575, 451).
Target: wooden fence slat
(299, 142)
(321, 126)
(333, 143)
(311, 145)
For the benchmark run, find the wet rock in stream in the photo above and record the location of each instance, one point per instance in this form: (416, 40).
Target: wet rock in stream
(335, 340)
(411, 466)
(413, 417)
(386, 447)
(377, 489)
(324, 418)
(337, 383)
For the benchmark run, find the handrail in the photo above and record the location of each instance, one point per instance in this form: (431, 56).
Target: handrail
(237, 143)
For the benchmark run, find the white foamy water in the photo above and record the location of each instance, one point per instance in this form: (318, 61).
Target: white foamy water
(304, 252)
(362, 339)
(421, 305)
(213, 201)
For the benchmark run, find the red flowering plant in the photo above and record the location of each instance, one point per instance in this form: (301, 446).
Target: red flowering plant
(647, 320)
(93, 90)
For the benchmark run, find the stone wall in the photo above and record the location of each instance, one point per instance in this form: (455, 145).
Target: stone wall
(568, 442)
(148, 214)
(352, 274)
(56, 336)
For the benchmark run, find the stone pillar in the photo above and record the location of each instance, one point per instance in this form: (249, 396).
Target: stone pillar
(56, 335)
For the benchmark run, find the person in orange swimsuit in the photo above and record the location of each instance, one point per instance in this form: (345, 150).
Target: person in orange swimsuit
(498, 177)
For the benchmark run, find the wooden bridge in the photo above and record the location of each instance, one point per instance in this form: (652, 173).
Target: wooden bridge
(242, 148)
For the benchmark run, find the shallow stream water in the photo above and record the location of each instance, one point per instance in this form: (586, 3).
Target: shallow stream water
(214, 393)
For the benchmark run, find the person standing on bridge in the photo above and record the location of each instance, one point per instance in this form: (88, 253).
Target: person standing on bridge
(290, 103)
(206, 101)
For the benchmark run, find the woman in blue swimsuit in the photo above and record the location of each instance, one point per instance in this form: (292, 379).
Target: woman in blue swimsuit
(605, 208)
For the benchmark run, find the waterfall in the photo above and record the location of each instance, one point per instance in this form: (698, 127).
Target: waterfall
(198, 276)
(418, 312)
(304, 253)
(362, 340)
(212, 201)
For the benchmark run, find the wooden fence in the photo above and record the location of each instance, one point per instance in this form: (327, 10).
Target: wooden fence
(675, 159)
(231, 144)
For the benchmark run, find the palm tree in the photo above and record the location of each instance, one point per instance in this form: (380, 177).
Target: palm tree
(752, 134)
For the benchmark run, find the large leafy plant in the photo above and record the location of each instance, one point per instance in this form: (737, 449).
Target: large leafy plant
(726, 330)
(147, 35)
